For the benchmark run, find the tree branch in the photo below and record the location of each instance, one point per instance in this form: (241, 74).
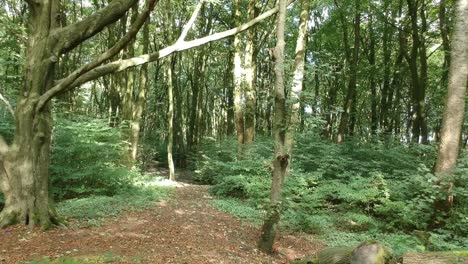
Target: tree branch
(3, 148)
(121, 65)
(189, 24)
(71, 36)
(8, 105)
(121, 44)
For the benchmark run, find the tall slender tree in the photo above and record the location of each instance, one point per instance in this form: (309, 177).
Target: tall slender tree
(281, 157)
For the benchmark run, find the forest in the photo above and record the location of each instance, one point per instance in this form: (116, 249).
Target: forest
(243, 131)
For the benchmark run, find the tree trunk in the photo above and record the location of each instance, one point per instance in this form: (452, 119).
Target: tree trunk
(230, 126)
(26, 164)
(127, 98)
(444, 34)
(280, 161)
(418, 79)
(141, 99)
(454, 109)
(423, 75)
(170, 119)
(298, 78)
(250, 77)
(372, 82)
(238, 112)
(387, 93)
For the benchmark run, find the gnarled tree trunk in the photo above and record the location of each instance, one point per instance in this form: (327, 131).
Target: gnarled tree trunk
(26, 163)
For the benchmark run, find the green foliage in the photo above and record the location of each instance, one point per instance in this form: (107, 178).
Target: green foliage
(86, 159)
(89, 211)
(346, 193)
(239, 209)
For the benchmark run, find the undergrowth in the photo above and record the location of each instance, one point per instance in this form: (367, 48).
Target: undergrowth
(347, 193)
(90, 211)
(87, 159)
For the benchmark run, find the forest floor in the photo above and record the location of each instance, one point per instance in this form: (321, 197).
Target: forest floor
(184, 229)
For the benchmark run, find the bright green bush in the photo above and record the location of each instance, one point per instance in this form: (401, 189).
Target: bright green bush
(86, 159)
(90, 210)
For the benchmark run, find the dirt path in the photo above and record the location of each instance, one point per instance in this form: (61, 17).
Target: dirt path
(187, 229)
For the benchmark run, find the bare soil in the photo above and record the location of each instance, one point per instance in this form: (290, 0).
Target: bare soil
(184, 229)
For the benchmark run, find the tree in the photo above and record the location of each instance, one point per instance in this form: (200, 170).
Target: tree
(281, 157)
(250, 77)
(454, 109)
(238, 72)
(24, 177)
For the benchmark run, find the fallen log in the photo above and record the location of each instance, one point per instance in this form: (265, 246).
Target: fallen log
(445, 257)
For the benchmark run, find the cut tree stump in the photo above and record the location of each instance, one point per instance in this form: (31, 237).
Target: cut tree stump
(448, 257)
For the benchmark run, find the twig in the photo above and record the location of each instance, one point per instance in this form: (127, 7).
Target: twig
(8, 105)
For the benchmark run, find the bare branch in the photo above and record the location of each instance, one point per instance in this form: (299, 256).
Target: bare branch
(3, 148)
(190, 22)
(121, 65)
(121, 44)
(8, 105)
(71, 36)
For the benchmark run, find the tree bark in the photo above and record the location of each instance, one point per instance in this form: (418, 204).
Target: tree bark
(281, 157)
(127, 98)
(418, 79)
(139, 105)
(298, 78)
(238, 73)
(454, 109)
(250, 77)
(372, 82)
(170, 119)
